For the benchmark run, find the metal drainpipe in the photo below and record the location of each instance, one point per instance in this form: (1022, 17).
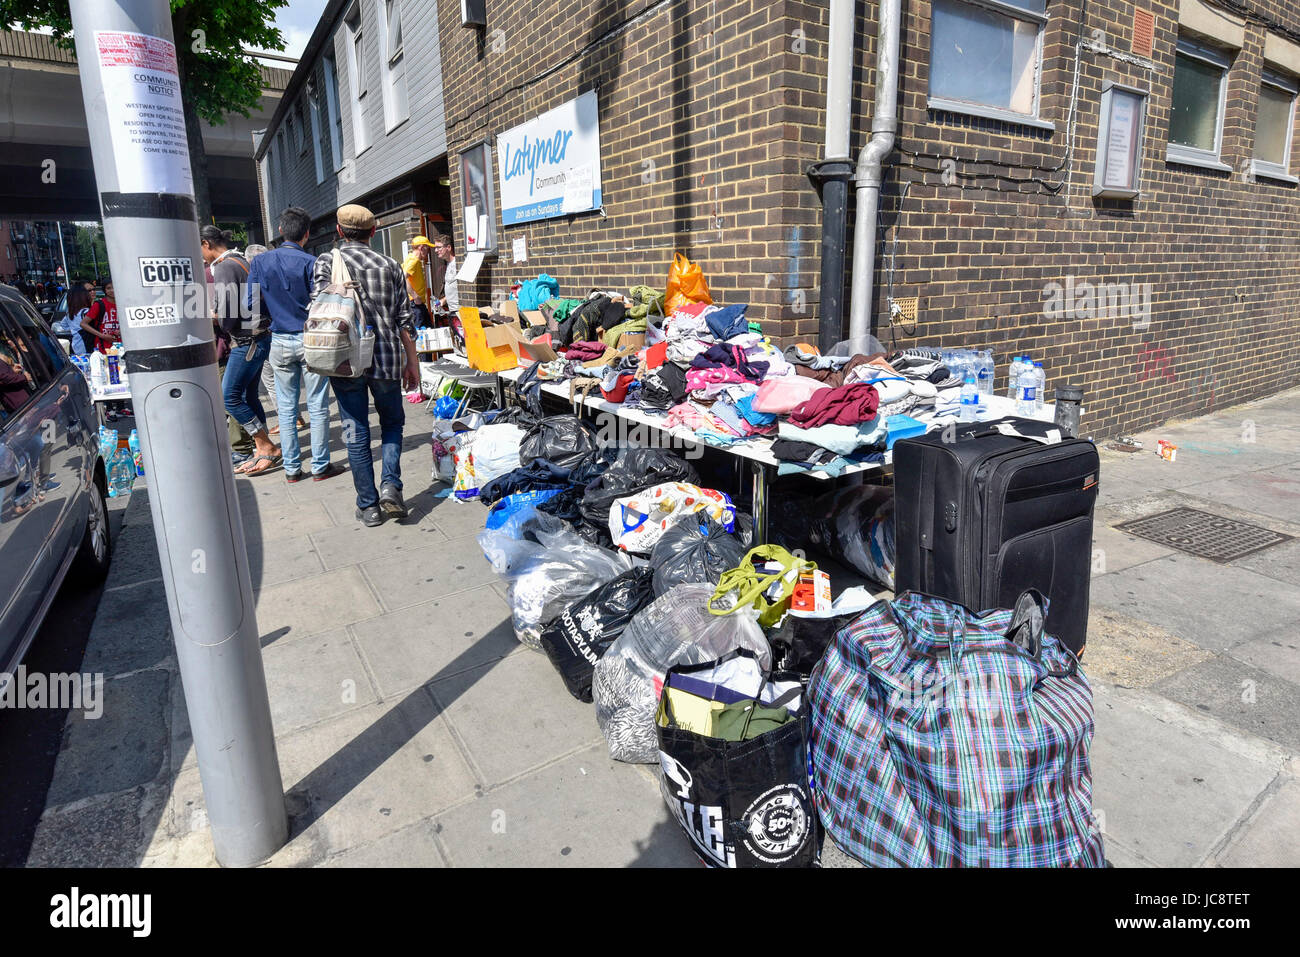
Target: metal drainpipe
(831, 176)
(884, 123)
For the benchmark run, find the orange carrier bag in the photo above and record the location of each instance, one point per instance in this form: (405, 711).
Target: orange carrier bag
(685, 285)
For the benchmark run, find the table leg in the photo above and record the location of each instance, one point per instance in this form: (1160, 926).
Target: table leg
(501, 393)
(760, 502)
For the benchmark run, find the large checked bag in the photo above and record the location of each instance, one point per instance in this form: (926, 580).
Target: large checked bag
(945, 738)
(734, 775)
(985, 510)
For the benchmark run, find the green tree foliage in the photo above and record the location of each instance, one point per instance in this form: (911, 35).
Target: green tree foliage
(90, 250)
(217, 77)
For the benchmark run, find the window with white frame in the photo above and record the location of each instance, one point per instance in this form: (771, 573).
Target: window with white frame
(357, 76)
(316, 138)
(393, 65)
(1196, 113)
(332, 108)
(1273, 126)
(985, 58)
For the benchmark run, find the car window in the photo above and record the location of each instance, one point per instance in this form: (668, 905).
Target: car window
(18, 374)
(45, 347)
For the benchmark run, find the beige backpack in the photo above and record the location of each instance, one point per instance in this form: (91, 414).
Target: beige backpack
(335, 341)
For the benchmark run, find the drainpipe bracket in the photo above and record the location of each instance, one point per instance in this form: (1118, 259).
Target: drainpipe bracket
(831, 170)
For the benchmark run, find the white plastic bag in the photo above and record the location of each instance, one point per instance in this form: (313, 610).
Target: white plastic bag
(674, 629)
(493, 451)
(548, 568)
(637, 521)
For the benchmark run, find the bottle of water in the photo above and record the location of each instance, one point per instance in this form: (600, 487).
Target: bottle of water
(136, 456)
(1040, 385)
(985, 377)
(107, 443)
(1026, 394)
(970, 399)
(121, 476)
(1013, 376)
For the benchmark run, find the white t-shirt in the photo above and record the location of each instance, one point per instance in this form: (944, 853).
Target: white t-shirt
(449, 286)
(71, 326)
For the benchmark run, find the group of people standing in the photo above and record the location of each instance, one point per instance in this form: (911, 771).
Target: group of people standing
(259, 307)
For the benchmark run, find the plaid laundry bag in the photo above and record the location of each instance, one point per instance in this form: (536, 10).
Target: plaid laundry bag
(946, 738)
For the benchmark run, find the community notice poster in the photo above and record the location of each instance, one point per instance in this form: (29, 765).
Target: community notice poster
(536, 159)
(142, 98)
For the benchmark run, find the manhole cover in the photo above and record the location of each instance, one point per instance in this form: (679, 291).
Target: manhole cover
(1204, 535)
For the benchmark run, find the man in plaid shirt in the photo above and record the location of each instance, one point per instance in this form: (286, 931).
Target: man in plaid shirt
(384, 307)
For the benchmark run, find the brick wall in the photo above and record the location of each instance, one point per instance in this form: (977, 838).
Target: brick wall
(710, 113)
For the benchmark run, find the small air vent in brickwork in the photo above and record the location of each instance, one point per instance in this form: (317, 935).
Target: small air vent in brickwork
(1144, 31)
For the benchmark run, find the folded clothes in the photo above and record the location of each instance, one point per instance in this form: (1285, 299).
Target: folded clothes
(726, 410)
(686, 414)
(584, 351)
(674, 379)
(784, 394)
(840, 439)
(745, 406)
(846, 405)
(699, 378)
(721, 355)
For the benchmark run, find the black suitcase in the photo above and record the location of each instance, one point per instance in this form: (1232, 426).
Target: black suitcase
(984, 515)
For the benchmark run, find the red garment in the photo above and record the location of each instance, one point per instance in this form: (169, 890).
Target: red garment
(845, 405)
(103, 316)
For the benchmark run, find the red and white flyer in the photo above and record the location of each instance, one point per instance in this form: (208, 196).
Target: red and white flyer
(142, 98)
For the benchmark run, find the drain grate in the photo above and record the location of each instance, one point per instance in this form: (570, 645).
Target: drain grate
(1205, 535)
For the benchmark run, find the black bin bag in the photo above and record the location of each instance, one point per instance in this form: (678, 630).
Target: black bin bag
(635, 470)
(742, 803)
(576, 640)
(694, 552)
(563, 439)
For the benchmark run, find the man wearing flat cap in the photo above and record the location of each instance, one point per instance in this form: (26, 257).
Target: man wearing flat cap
(385, 306)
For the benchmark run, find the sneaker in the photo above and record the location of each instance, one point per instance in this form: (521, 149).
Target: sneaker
(370, 517)
(294, 476)
(328, 471)
(390, 500)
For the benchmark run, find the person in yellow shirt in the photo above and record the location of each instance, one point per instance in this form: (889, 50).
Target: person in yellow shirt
(417, 286)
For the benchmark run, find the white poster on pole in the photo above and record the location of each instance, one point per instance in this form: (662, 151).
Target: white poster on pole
(142, 98)
(534, 158)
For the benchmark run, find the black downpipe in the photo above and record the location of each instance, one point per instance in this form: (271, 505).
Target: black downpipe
(831, 180)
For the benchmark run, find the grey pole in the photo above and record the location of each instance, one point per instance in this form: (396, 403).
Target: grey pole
(63, 255)
(132, 96)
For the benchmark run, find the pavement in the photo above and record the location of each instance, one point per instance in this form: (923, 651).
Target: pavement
(414, 730)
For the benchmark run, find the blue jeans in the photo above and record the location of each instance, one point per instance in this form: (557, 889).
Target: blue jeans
(354, 410)
(239, 385)
(291, 378)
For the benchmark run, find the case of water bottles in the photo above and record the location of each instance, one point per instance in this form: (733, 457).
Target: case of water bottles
(1026, 385)
(974, 369)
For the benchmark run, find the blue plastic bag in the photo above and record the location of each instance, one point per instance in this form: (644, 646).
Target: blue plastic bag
(445, 407)
(510, 513)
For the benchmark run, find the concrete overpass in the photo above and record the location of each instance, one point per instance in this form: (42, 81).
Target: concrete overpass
(42, 118)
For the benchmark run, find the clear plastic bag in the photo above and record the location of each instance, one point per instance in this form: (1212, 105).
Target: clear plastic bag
(674, 629)
(547, 568)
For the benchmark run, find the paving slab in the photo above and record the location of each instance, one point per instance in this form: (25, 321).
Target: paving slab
(1278, 656)
(457, 519)
(1274, 491)
(1164, 788)
(110, 831)
(374, 771)
(314, 678)
(1114, 550)
(282, 560)
(1244, 697)
(510, 718)
(1134, 653)
(582, 811)
(125, 747)
(287, 520)
(318, 603)
(1280, 562)
(434, 571)
(132, 630)
(414, 846)
(135, 548)
(352, 544)
(1271, 838)
(436, 639)
(1166, 593)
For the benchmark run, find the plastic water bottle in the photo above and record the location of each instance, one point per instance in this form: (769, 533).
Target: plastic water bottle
(136, 456)
(1013, 374)
(1026, 397)
(121, 477)
(1040, 385)
(107, 443)
(98, 370)
(985, 377)
(970, 399)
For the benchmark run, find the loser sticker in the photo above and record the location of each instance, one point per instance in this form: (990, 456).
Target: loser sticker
(160, 314)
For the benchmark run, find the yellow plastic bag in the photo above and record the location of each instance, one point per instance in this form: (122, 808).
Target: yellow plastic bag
(685, 284)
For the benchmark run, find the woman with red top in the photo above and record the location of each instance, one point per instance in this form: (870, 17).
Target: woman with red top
(100, 321)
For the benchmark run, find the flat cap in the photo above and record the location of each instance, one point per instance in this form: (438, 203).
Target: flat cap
(353, 216)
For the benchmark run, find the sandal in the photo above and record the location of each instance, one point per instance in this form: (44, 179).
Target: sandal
(274, 430)
(248, 467)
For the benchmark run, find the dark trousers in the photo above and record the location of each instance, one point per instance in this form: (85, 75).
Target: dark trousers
(354, 410)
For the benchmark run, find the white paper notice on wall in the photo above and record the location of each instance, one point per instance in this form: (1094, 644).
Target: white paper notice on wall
(468, 270)
(520, 245)
(577, 189)
(483, 231)
(142, 99)
(471, 227)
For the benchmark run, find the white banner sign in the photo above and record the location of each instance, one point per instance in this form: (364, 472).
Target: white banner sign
(536, 160)
(142, 97)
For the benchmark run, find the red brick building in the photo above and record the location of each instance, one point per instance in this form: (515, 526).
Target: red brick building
(1168, 302)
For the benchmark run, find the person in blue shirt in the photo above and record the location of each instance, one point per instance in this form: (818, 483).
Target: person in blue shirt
(279, 287)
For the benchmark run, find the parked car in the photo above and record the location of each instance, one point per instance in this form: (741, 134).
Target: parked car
(53, 481)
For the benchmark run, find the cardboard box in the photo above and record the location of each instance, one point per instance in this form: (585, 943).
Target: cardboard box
(629, 340)
(534, 318)
(812, 593)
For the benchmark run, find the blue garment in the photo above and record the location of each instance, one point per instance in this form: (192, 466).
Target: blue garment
(745, 406)
(354, 409)
(282, 276)
(727, 321)
(292, 378)
(239, 384)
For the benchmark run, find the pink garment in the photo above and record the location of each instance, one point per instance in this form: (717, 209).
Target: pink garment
(785, 393)
(687, 415)
(700, 378)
